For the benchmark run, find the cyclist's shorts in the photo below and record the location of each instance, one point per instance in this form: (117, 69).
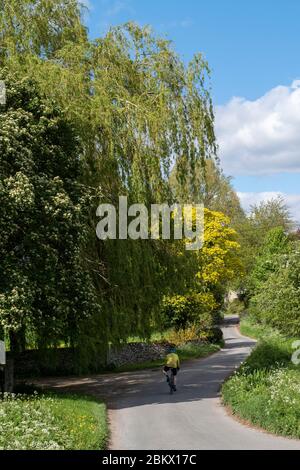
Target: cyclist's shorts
(174, 370)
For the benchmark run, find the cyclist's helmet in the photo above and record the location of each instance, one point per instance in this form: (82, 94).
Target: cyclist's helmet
(172, 349)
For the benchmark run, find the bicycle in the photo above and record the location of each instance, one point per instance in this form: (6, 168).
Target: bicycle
(170, 380)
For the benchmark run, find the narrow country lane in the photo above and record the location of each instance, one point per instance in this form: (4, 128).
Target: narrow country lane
(143, 415)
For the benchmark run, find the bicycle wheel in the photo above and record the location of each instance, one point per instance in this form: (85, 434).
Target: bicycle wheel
(171, 383)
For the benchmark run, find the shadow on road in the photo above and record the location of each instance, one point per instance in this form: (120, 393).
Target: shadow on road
(197, 380)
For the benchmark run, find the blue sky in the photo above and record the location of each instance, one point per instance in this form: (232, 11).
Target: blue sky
(252, 48)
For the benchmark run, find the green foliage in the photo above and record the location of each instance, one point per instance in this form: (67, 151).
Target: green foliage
(275, 243)
(269, 352)
(215, 190)
(196, 351)
(269, 399)
(45, 288)
(104, 118)
(25, 26)
(181, 311)
(254, 228)
(135, 106)
(214, 335)
(216, 263)
(270, 214)
(250, 327)
(265, 390)
(274, 283)
(192, 317)
(185, 335)
(219, 259)
(235, 307)
(277, 301)
(178, 311)
(52, 422)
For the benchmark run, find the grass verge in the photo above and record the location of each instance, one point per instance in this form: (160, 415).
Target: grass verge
(265, 391)
(188, 351)
(52, 422)
(249, 327)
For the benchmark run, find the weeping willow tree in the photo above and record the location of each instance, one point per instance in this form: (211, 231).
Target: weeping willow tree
(139, 110)
(215, 190)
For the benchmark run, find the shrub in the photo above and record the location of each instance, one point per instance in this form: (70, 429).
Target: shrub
(205, 331)
(52, 422)
(277, 302)
(236, 307)
(177, 311)
(213, 334)
(182, 336)
(180, 311)
(265, 390)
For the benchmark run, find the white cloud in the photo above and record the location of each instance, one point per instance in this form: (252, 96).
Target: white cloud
(87, 7)
(176, 24)
(119, 6)
(86, 3)
(261, 136)
(292, 200)
(111, 11)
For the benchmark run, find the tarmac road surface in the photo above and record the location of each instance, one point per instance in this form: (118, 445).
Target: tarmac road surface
(143, 415)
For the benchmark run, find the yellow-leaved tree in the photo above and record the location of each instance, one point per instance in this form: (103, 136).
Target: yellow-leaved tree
(214, 265)
(219, 259)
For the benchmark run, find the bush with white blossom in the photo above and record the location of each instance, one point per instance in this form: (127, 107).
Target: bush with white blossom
(51, 422)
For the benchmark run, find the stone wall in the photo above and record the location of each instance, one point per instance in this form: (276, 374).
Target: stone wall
(133, 353)
(33, 363)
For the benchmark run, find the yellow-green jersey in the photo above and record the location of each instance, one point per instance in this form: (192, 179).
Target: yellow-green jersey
(172, 361)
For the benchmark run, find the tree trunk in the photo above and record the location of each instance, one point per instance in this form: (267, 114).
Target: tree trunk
(17, 341)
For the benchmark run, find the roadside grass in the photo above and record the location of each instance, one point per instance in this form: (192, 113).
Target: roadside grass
(236, 307)
(249, 327)
(48, 421)
(188, 351)
(156, 336)
(265, 391)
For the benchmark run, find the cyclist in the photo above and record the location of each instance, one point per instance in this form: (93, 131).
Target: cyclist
(172, 362)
